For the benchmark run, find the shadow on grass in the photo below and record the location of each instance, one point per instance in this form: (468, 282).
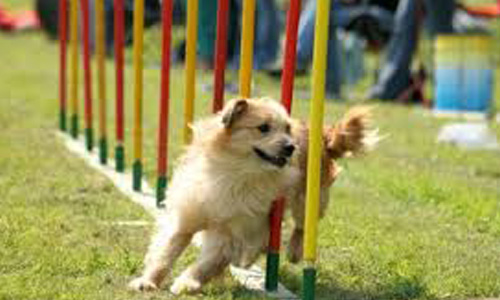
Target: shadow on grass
(398, 287)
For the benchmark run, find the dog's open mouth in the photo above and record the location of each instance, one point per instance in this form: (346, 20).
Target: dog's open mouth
(278, 161)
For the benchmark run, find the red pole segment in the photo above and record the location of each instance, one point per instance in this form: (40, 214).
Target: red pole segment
(63, 37)
(287, 80)
(119, 37)
(87, 71)
(276, 217)
(220, 54)
(164, 101)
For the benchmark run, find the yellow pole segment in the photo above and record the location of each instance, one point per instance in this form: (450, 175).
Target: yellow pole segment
(74, 66)
(138, 81)
(138, 67)
(191, 36)
(315, 140)
(101, 66)
(247, 37)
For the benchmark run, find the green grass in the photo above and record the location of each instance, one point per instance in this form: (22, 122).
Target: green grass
(412, 220)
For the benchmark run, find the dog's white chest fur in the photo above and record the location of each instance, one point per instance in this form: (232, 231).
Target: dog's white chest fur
(226, 198)
(224, 193)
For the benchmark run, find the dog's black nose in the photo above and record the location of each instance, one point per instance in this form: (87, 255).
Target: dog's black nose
(288, 149)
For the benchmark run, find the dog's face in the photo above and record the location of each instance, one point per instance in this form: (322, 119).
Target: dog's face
(259, 129)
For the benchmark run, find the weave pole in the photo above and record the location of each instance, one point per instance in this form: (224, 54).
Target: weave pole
(138, 87)
(247, 39)
(220, 54)
(287, 79)
(190, 88)
(292, 31)
(74, 67)
(63, 36)
(87, 74)
(119, 36)
(315, 144)
(164, 102)
(101, 76)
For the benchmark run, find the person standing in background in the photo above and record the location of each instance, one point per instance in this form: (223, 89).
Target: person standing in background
(267, 33)
(395, 74)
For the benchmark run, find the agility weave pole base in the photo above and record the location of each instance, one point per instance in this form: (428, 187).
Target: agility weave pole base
(252, 278)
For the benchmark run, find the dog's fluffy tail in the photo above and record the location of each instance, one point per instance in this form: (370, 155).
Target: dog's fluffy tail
(353, 135)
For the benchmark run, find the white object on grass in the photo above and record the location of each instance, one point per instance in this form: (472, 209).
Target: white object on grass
(469, 136)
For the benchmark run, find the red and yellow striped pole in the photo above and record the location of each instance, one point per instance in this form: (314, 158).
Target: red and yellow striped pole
(87, 73)
(119, 36)
(63, 36)
(164, 102)
(101, 76)
(220, 54)
(247, 39)
(287, 79)
(74, 66)
(190, 89)
(315, 144)
(138, 92)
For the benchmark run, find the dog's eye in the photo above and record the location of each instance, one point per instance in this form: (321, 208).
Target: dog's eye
(288, 129)
(264, 128)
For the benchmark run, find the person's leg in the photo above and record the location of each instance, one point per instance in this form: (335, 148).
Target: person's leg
(109, 26)
(306, 36)
(207, 22)
(267, 33)
(305, 46)
(233, 46)
(394, 76)
(439, 15)
(152, 12)
(334, 58)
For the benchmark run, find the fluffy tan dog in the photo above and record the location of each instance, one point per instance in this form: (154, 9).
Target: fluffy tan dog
(351, 136)
(238, 162)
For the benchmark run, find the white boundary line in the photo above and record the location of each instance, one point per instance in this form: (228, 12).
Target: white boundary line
(252, 278)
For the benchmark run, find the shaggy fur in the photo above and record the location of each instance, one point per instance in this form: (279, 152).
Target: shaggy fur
(223, 187)
(352, 135)
(237, 164)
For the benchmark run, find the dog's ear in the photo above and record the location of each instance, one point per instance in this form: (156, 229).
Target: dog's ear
(233, 112)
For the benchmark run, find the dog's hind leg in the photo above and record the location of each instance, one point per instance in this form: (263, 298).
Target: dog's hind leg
(167, 245)
(295, 246)
(296, 203)
(215, 256)
(297, 206)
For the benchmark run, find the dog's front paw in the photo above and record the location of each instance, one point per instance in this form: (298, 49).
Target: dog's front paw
(142, 284)
(185, 284)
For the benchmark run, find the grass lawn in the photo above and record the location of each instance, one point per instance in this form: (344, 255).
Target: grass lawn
(412, 220)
